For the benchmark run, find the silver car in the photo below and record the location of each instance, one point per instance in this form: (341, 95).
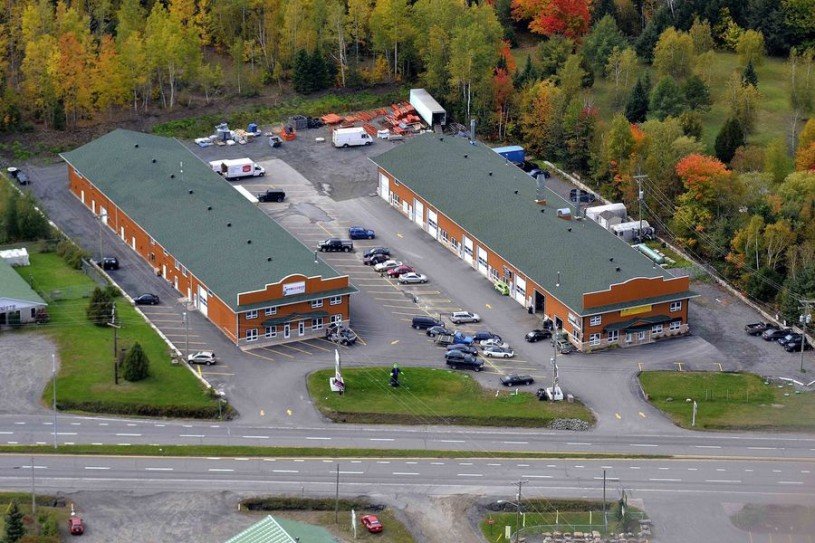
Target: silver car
(202, 357)
(498, 352)
(412, 278)
(461, 317)
(387, 265)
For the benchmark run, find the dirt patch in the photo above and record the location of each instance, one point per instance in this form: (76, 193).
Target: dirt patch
(440, 518)
(25, 368)
(776, 519)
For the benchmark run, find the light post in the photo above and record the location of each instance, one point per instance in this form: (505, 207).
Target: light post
(54, 386)
(115, 327)
(804, 319)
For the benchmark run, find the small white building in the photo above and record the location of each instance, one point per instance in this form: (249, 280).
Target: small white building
(607, 215)
(15, 257)
(18, 301)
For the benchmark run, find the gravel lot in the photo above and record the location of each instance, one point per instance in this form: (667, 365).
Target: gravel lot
(25, 367)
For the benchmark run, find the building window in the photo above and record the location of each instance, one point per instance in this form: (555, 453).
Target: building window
(251, 334)
(520, 291)
(576, 334)
(336, 319)
(251, 315)
(445, 236)
(183, 271)
(270, 311)
(596, 320)
(656, 329)
(676, 306)
(641, 335)
(317, 324)
(177, 265)
(594, 339)
(454, 244)
(482, 261)
(493, 274)
(431, 223)
(335, 300)
(316, 303)
(271, 331)
(613, 336)
(574, 321)
(468, 251)
(674, 326)
(628, 337)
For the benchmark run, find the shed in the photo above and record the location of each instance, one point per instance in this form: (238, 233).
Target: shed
(15, 257)
(607, 215)
(427, 106)
(18, 301)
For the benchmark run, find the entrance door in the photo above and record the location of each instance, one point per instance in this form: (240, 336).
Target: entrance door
(133, 242)
(482, 260)
(520, 290)
(202, 300)
(82, 196)
(286, 331)
(418, 214)
(175, 282)
(540, 302)
(103, 214)
(301, 328)
(405, 208)
(384, 191)
(122, 232)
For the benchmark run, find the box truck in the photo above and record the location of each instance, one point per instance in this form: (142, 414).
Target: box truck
(350, 137)
(237, 168)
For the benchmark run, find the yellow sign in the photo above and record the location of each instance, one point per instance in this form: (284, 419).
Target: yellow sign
(635, 310)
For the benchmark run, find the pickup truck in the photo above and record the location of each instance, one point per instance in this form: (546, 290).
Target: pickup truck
(336, 244)
(755, 328)
(271, 195)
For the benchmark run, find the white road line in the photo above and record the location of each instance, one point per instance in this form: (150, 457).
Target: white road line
(6, 433)
(577, 443)
(405, 473)
(804, 471)
(123, 444)
(319, 438)
(411, 463)
(349, 472)
(776, 471)
(41, 443)
(241, 459)
(451, 441)
(221, 469)
(69, 443)
(191, 435)
(465, 463)
(255, 437)
(35, 467)
(383, 462)
(763, 448)
(104, 424)
(606, 467)
(213, 457)
(158, 469)
(128, 435)
(693, 469)
(644, 445)
(97, 467)
(516, 443)
(381, 439)
(551, 466)
(725, 481)
(12, 442)
(134, 424)
(666, 480)
(538, 476)
(578, 466)
(663, 469)
(97, 443)
(285, 471)
(708, 446)
(634, 467)
(748, 471)
(607, 478)
(436, 463)
(299, 460)
(722, 469)
(469, 474)
(356, 461)
(790, 482)
(76, 424)
(65, 433)
(523, 465)
(493, 464)
(21, 423)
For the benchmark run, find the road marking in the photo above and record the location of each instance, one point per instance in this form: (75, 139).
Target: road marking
(723, 481)
(639, 365)
(634, 467)
(34, 467)
(255, 437)
(790, 482)
(708, 446)
(522, 465)
(516, 443)
(606, 478)
(6, 433)
(551, 466)
(577, 443)
(451, 441)
(128, 435)
(16, 442)
(644, 445)
(120, 444)
(763, 448)
(381, 439)
(666, 480)
(469, 474)
(158, 469)
(465, 463)
(488, 306)
(722, 469)
(191, 435)
(405, 473)
(288, 412)
(349, 472)
(394, 342)
(776, 471)
(693, 469)
(663, 469)
(410, 463)
(319, 438)
(278, 352)
(804, 471)
(221, 469)
(618, 416)
(642, 414)
(76, 424)
(748, 471)
(493, 464)
(383, 462)
(537, 476)
(399, 235)
(100, 424)
(97, 467)
(436, 463)
(578, 466)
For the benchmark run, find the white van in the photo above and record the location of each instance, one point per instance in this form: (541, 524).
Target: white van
(350, 137)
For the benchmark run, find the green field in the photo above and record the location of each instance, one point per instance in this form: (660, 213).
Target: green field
(732, 401)
(540, 515)
(51, 513)
(85, 378)
(432, 396)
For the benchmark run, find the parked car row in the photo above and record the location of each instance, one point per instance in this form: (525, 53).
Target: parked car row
(791, 341)
(380, 259)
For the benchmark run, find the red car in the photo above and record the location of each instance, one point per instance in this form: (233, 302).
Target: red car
(371, 523)
(399, 270)
(75, 525)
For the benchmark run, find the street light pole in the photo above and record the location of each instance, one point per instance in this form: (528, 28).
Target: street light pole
(54, 386)
(518, 511)
(115, 344)
(187, 337)
(805, 319)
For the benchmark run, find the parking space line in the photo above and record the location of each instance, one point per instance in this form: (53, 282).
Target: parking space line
(217, 373)
(289, 346)
(406, 302)
(411, 314)
(319, 347)
(270, 349)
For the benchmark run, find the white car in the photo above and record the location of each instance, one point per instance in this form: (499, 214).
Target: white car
(499, 352)
(202, 357)
(492, 342)
(461, 317)
(412, 278)
(387, 265)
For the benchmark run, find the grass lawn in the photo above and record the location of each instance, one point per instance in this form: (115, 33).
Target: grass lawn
(679, 260)
(732, 401)
(557, 515)
(85, 379)
(432, 396)
(51, 515)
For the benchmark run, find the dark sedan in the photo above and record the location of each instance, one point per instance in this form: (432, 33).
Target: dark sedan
(147, 299)
(514, 380)
(537, 335)
(794, 346)
(773, 334)
(786, 339)
(374, 259)
(434, 331)
(466, 349)
(377, 251)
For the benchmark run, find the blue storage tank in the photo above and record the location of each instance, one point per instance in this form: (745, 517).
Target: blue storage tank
(513, 153)
(252, 128)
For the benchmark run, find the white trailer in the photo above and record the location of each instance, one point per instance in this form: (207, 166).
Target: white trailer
(607, 215)
(237, 168)
(630, 231)
(351, 137)
(427, 107)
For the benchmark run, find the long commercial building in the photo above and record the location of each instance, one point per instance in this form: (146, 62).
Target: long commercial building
(594, 286)
(225, 257)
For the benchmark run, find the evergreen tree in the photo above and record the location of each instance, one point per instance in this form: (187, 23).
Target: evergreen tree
(697, 94)
(11, 217)
(749, 76)
(320, 74)
(526, 76)
(650, 35)
(136, 365)
(503, 10)
(666, 99)
(636, 109)
(796, 288)
(31, 223)
(15, 530)
(730, 138)
(100, 308)
(601, 8)
(303, 78)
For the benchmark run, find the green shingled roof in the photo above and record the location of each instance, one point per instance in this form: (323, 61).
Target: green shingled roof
(265, 531)
(453, 175)
(14, 287)
(134, 170)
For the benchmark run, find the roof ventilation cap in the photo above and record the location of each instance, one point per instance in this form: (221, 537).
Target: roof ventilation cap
(611, 259)
(466, 156)
(172, 176)
(249, 242)
(268, 259)
(490, 174)
(228, 224)
(516, 192)
(190, 191)
(209, 208)
(136, 146)
(153, 161)
(617, 268)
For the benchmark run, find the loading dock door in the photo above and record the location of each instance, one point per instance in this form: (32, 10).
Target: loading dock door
(202, 300)
(540, 302)
(468, 250)
(418, 215)
(432, 223)
(482, 261)
(384, 190)
(520, 290)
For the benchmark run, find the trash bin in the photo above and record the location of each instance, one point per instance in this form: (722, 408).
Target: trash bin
(530, 309)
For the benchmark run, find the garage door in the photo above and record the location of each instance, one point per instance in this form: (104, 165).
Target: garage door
(468, 250)
(202, 300)
(384, 188)
(520, 290)
(432, 223)
(482, 261)
(418, 213)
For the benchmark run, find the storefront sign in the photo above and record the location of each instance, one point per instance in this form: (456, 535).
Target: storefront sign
(294, 288)
(635, 310)
(7, 308)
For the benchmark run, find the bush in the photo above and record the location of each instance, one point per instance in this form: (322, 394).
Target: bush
(71, 253)
(289, 503)
(100, 308)
(146, 410)
(136, 365)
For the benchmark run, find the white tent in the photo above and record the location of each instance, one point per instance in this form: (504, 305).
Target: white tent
(15, 257)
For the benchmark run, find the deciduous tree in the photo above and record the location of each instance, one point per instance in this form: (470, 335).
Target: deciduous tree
(750, 48)
(674, 54)
(776, 162)
(568, 18)
(620, 68)
(743, 102)
(552, 54)
(391, 29)
(701, 36)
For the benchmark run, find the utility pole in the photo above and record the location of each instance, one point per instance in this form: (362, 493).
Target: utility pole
(805, 319)
(186, 323)
(518, 511)
(640, 194)
(33, 494)
(54, 386)
(337, 497)
(605, 515)
(115, 344)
